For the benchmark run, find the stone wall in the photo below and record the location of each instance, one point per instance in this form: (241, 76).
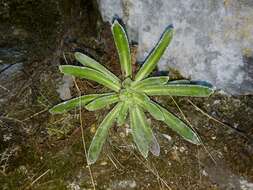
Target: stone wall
(213, 39)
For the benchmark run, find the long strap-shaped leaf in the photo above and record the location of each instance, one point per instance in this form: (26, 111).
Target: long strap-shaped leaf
(102, 102)
(141, 131)
(149, 106)
(153, 58)
(90, 74)
(122, 45)
(122, 113)
(192, 82)
(179, 127)
(177, 90)
(101, 134)
(87, 61)
(75, 102)
(151, 81)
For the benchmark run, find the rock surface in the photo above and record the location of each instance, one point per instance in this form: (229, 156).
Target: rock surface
(213, 39)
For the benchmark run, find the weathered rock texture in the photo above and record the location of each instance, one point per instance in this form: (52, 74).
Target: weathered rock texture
(213, 39)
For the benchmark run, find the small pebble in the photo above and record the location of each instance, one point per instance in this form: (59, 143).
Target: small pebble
(104, 163)
(93, 128)
(204, 173)
(167, 137)
(216, 102)
(182, 149)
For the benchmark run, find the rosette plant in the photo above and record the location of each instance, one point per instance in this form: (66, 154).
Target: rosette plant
(132, 95)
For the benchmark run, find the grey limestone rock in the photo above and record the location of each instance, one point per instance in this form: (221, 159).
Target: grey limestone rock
(213, 39)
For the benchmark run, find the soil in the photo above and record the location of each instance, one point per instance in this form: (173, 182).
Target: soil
(42, 151)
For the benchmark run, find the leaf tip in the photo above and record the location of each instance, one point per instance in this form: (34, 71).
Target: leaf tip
(114, 23)
(90, 161)
(115, 18)
(210, 91)
(77, 55)
(144, 154)
(170, 27)
(51, 111)
(61, 68)
(89, 108)
(195, 139)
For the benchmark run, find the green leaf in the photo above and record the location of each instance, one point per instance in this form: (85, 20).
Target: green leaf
(89, 62)
(192, 82)
(122, 114)
(153, 58)
(101, 134)
(151, 81)
(182, 81)
(150, 106)
(102, 102)
(141, 131)
(122, 45)
(127, 83)
(179, 127)
(90, 74)
(75, 102)
(178, 90)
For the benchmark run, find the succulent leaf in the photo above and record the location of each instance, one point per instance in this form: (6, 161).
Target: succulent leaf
(122, 45)
(161, 80)
(150, 106)
(90, 74)
(192, 82)
(101, 134)
(179, 127)
(177, 90)
(89, 62)
(182, 81)
(141, 131)
(102, 102)
(153, 58)
(122, 113)
(75, 102)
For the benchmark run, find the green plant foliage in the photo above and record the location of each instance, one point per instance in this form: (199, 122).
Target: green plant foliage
(102, 133)
(141, 131)
(155, 55)
(132, 95)
(122, 45)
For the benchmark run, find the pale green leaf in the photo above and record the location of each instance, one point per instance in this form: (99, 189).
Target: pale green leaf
(90, 74)
(122, 45)
(161, 80)
(192, 82)
(179, 127)
(122, 113)
(101, 134)
(149, 105)
(153, 58)
(127, 83)
(75, 102)
(177, 90)
(141, 131)
(102, 102)
(182, 81)
(89, 62)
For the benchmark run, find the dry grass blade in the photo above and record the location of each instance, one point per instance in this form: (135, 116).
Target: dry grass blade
(152, 170)
(185, 118)
(221, 123)
(83, 140)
